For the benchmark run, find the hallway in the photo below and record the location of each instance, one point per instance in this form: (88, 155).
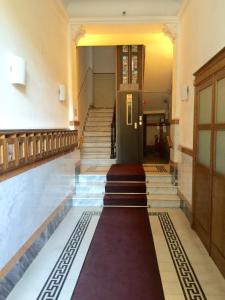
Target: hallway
(186, 269)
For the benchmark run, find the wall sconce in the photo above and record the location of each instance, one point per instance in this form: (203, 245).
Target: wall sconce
(184, 92)
(62, 92)
(17, 70)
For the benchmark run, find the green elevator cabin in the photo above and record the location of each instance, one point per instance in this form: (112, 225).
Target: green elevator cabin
(129, 112)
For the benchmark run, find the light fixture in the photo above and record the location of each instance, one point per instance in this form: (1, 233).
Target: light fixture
(17, 70)
(62, 92)
(184, 92)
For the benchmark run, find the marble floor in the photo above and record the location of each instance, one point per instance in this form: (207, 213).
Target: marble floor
(186, 270)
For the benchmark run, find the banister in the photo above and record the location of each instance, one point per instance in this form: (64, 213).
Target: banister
(22, 147)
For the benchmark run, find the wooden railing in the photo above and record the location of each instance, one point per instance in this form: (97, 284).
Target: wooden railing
(22, 147)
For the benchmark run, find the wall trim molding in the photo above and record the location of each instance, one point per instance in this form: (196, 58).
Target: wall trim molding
(186, 150)
(124, 20)
(175, 121)
(62, 10)
(13, 261)
(185, 206)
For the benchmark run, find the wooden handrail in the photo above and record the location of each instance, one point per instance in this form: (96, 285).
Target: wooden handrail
(19, 148)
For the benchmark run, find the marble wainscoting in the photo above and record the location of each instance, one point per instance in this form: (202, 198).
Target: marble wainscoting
(32, 204)
(185, 183)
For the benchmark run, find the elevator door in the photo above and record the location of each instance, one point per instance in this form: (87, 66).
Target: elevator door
(129, 127)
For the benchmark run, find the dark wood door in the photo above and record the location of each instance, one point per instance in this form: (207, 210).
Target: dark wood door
(129, 127)
(203, 165)
(218, 178)
(209, 153)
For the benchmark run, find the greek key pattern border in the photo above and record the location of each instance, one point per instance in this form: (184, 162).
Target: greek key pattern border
(54, 284)
(188, 280)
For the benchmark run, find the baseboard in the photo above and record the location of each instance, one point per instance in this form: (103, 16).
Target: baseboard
(185, 206)
(16, 267)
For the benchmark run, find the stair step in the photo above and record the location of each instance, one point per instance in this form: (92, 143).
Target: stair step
(163, 200)
(98, 161)
(87, 178)
(95, 150)
(88, 200)
(124, 187)
(99, 139)
(93, 114)
(91, 187)
(96, 144)
(108, 110)
(125, 199)
(94, 156)
(167, 178)
(98, 123)
(100, 119)
(97, 129)
(97, 134)
(162, 188)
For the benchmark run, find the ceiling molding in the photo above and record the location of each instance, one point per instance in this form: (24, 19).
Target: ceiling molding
(171, 30)
(125, 20)
(62, 10)
(183, 7)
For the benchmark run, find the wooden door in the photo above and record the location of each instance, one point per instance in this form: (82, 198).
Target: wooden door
(129, 127)
(218, 195)
(203, 163)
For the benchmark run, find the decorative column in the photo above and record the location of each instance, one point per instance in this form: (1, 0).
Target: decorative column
(75, 32)
(172, 31)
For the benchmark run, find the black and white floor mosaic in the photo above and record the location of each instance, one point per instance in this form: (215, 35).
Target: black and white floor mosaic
(186, 270)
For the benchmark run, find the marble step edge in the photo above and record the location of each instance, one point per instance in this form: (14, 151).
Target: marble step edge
(97, 129)
(99, 119)
(96, 144)
(97, 134)
(160, 197)
(101, 109)
(98, 162)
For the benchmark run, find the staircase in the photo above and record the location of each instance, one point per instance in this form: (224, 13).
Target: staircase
(90, 189)
(96, 147)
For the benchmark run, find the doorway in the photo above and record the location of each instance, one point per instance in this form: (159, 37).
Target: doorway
(155, 138)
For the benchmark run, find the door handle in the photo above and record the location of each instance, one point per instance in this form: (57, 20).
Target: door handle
(135, 125)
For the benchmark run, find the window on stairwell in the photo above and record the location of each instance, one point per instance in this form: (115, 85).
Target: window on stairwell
(130, 65)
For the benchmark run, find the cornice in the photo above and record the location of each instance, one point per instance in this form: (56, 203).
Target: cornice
(183, 8)
(62, 10)
(125, 20)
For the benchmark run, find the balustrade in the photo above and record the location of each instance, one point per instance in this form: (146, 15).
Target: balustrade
(22, 147)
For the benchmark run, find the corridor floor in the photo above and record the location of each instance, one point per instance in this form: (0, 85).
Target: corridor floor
(186, 270)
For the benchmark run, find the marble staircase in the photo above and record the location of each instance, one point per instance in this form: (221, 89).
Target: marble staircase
(96, 146)
(90, 188)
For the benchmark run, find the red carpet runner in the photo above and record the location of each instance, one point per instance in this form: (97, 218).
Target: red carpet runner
(125, 185)
(121, 262)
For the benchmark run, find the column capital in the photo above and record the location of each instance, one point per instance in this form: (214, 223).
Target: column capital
(171, 30)
(77, 32)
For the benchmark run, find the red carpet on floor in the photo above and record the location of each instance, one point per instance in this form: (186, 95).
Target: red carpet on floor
(121, 262)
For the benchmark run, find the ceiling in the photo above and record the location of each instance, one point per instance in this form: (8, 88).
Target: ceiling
(114, 22)
(118, 8)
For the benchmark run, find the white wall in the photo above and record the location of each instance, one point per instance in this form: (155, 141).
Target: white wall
(104, 65)
(36, 31)
(84, 81)
(157, 76)
(202, 35)
(29, 198)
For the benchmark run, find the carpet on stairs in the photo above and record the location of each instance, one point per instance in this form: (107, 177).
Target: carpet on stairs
(125, 185)
(121, 261)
